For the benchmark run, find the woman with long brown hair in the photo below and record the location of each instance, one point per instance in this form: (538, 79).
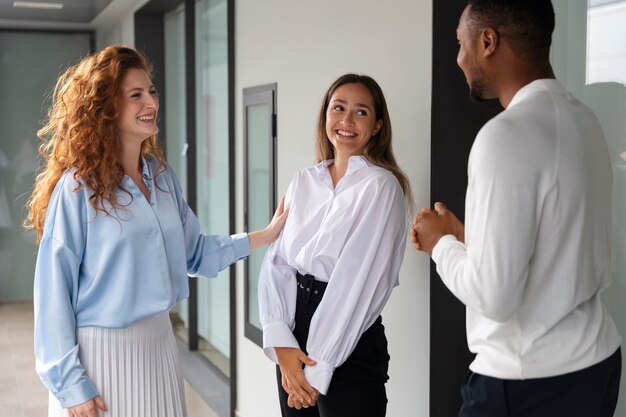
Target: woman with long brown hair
(116, 243)
(325, 281)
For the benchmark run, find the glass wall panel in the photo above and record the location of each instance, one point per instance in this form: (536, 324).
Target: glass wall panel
(259, 104)
(259, 170)
(175, 129)
(213, 169)
(29, 66)
(589, 55)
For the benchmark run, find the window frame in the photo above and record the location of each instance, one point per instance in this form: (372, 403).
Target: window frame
(262, 94)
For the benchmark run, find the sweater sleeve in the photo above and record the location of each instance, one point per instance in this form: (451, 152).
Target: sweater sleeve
(489, 273)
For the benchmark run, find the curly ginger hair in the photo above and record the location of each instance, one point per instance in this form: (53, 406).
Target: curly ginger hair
(81, 131)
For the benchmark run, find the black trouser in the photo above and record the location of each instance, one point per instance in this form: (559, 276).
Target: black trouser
(358, 385)
(590, 392)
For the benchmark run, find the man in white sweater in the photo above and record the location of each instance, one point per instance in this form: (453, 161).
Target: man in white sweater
(534, 254)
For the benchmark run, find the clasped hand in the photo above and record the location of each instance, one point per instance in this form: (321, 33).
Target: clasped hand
(88, 408)
(431, 225)
(301, 393)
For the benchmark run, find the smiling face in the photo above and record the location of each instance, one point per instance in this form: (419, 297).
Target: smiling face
(351, 119)
(138, 107)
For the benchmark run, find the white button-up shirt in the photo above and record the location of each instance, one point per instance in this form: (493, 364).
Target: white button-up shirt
(538, 239)
(353, 237)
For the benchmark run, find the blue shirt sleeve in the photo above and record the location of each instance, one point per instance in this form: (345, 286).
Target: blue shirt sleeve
(207, 255)
(55, 296)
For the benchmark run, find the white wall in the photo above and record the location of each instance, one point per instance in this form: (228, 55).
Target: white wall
(116, 23)
(304, 46)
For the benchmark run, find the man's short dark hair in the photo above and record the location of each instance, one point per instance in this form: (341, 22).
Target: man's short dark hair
(526, 24)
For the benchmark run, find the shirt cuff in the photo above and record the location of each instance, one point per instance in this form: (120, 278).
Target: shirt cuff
(442, 245)
(319, 375)
(277, 334)
(78, 393)
(241, 245)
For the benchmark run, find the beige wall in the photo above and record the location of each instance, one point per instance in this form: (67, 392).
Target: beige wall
(304, 46)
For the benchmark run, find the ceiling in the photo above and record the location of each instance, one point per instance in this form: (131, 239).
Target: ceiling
(73, 11)
(83, 12)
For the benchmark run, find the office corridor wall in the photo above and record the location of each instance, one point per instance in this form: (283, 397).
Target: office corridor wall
(29, 66)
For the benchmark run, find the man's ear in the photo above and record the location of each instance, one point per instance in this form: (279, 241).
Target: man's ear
(489, 40)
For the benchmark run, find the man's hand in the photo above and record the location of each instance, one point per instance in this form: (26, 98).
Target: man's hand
(431, 225)
(293, 380)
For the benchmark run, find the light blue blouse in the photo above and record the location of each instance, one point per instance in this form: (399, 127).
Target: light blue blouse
(111, 270)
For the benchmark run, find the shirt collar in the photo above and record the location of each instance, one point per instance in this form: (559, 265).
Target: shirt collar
(544, 84)
(150, 167)
(145, 168)
(355, 163)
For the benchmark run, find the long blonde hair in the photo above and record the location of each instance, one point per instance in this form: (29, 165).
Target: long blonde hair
(378, 149)
(81, 131)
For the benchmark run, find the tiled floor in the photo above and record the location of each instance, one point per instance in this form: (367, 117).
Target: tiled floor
(204, 348)
(21, 392)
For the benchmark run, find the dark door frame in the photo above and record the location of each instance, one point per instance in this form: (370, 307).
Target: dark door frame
(455, 122)
(150, 38)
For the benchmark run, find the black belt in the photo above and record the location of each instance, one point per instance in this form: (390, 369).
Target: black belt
(307, 286)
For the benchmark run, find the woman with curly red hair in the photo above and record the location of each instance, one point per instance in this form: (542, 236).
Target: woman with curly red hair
(116, 243)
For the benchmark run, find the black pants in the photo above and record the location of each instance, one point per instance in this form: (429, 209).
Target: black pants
(590, 392)
(358, 385)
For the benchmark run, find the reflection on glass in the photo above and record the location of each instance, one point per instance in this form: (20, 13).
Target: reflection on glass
(175, 128)
(589, 56)
(213, 187)
(606, 43)
(605, 93)
(42, 56)
(259, 194)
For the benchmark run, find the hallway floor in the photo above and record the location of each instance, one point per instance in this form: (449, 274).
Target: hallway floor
(21, 392)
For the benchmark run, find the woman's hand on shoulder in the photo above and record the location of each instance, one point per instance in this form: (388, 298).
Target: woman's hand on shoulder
(271, 232)
(278, 221)
(88, 408)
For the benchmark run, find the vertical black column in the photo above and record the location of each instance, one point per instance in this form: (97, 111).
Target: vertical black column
(190, 101)
(150, 39)
(232, 201)
(455, 122)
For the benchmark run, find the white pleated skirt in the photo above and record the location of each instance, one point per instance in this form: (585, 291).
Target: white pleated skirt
(136, 369)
